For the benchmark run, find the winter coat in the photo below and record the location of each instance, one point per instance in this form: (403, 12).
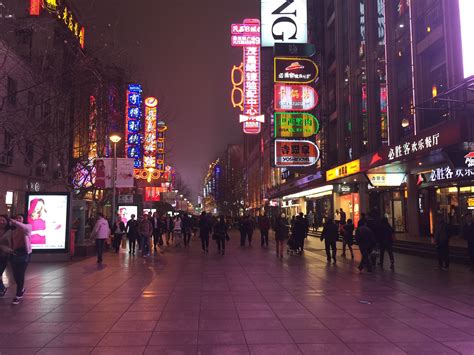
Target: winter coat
(132, 229)
(386, 235)
(101, 229)
(441, 234)
(118, 230)
(468, 233)
(330, 232)
(264, 223)
(282, 229)
(299, 229)
(145, 228)
(220, 231)
(348, 230)
(365, 238)
(204, 227)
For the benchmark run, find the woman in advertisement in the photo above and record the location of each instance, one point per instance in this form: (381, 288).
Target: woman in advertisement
(37, 220)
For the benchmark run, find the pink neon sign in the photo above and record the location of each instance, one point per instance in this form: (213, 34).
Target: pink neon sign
(247, 36)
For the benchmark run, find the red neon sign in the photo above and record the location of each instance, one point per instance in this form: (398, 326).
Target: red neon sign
(150, 141)
(35, 6)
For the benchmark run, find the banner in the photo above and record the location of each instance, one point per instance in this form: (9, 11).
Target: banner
(295, 97)
(104, 173)
(295, 125)
(295, 153)
(294, 70)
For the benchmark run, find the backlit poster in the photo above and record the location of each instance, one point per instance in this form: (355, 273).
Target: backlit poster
(48, 216)
(125, 212)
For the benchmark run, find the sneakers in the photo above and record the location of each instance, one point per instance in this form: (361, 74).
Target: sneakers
(18, 298)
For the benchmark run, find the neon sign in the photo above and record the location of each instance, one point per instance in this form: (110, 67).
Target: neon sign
(236, 87)
(247, 36)
(295, 97)
(150, 139)
(133, 124)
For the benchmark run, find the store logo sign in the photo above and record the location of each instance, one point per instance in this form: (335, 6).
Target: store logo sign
(408, 148)
(469, 159)
(446, 173)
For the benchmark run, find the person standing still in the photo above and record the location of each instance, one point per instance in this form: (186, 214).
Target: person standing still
(310, 218)
(100, 233)
(118, 230)
(468, 235)
(264, 225)
(21, 256)
(330, 235)
(442, 242)
(145, 231)
(204, 231)
(132, 234)
(282, 232)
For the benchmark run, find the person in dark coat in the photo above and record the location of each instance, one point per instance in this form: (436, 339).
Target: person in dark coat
(366, 240)
(220, 234)
(242, 230)
(249, 226)
(330, 236)
(204, 231)
(348, 238)
(282, 231)
(186, 228)
(298, 232)
(264, 225)
(306, 229)
(118, 230)
(386, 242)
(362, 220)
(373, 223)
(468, 235)
(157, 231)
(132, 234)
(442, 241)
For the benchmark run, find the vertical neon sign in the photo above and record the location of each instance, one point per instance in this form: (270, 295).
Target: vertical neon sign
(133, 124)
(150, 139)
(247, 36)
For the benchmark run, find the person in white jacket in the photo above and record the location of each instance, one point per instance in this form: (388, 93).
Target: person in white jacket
(101, 232)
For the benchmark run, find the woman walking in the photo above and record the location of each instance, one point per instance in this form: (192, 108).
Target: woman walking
(177, 232)
(20, 258)
(100, 232)
(282, 231)
(118, 230)
(5, 249)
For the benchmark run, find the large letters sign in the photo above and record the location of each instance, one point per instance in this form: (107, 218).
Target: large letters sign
(295, 125)
(295, 153)
(284, 21)
(295, 97)
(133, 123)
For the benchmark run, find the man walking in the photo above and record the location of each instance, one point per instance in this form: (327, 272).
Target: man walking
(157, 231)
(468, 234)
(101, 232)
(132, 234)
(204, 230)
(366, 240)
(330, 235)
(145, 231)
(442, 242)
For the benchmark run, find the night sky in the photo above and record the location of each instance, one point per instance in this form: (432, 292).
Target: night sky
(180, 51)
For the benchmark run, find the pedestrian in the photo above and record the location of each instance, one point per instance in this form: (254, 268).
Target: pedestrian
(242, 230)
(373, 223)
(282, 231)
(157, 231)
(362, 220)
(5, 249)
(468, 235)
(306, 230)
(366, 240)
(330, 235)
(21, 256)
(100, 233)
(132, 234)
(220, 234)
(264, 226)
(310, 218)
(386, 242)
(249, 228)
(441, 236)
(348, 238)
(145, 231)
(204, 230)
(169, 226)
(342, 217)
(177, 231)
(186, 228)
(298, 232)
(118, 230)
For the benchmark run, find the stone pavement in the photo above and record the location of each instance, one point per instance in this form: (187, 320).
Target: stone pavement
(248, 301)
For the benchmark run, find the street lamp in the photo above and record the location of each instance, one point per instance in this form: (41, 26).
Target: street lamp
(114, 139)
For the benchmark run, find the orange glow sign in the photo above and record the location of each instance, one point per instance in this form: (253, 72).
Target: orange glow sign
(35, 7)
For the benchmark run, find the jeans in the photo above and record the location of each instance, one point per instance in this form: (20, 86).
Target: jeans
(389, 249)
(3, 266)
(349, 246)
(205, 242)
(249, 235)
(443, 254)
(330, 244)
(132, 242)
(99, 243)
(264, 236)
(117, 241)
(157, 238)
(146, 245)
(19, 262)
(140, 242)
(243, 238)
(365, 262)
(220, 244)
(187, 237)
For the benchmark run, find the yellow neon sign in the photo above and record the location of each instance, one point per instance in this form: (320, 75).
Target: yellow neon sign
(237, 86)
(340, 171)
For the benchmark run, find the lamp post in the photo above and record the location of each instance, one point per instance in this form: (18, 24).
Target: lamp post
(114, 139)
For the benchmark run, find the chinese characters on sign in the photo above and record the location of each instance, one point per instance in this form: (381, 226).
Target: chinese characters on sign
(411, 147)
(295, 125)
(247, 36)
(446, 173)
(350, 168)
(133, 124)
(295, 97)
(150, 139)
(295, 153)
(294, 70)
(386, 179)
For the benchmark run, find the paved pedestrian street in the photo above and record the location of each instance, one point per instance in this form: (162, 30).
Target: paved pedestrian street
(248, 301)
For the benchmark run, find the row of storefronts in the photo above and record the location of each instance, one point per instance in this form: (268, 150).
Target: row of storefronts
(409, 183)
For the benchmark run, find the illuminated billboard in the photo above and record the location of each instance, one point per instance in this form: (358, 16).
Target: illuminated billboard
(466, 9)
(150, 133)
(295, 97)
(48, 216)
(284, 21)
(294, 70)
(295, 153)
(133, 124)
(247, 36)
(295, 125)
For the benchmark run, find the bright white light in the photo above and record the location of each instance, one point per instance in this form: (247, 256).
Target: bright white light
(466, 9)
